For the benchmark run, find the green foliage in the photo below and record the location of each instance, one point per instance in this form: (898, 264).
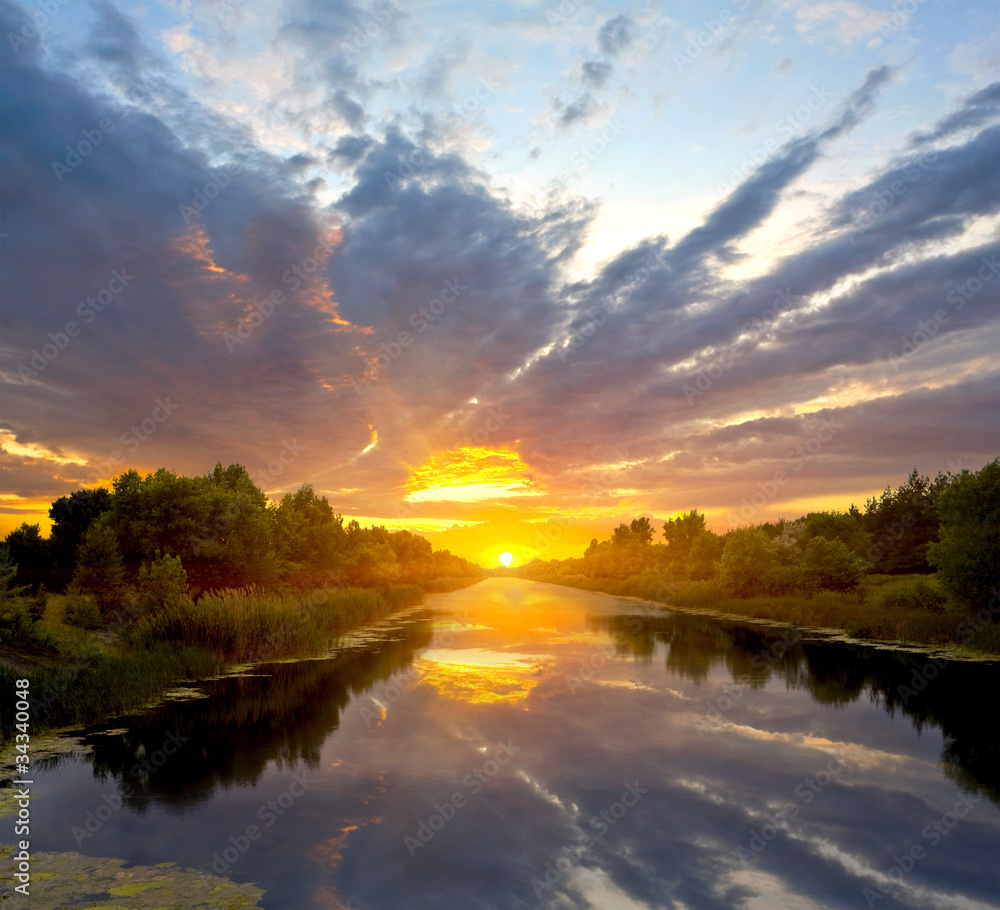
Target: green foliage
(163, 583)
(37, 604)
(785, 579)
(18, 622)
(71, 517)
(748, 559)
(830, 565)
(919, 596)
(638, 533)
(8, 571)
(100, 571)
(704, 554)
(308, 532)
(162, 511)
(967, 554)
(15, 621)
(241, 532)
(81, 611)
(681, 532)
(102, 685)
(29, 551)
(837, 526)
(253, 624)
(902, 524)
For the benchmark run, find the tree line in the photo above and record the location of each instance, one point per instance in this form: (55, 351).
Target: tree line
(949, 526)
(216, 531)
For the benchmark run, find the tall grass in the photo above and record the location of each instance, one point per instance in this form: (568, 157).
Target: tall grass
(101, 685)
(241, 624)
(191, 641)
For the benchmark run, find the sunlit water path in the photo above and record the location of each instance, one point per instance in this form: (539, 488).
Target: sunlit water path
(518, 745)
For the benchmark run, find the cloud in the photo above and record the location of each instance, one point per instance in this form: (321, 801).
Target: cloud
(575, 111)
(595, 73)
(977, 110)
(845, 21)
(616, 35)
(408, 234)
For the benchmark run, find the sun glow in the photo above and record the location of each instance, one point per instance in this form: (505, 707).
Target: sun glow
(470, 475)
(506, 558)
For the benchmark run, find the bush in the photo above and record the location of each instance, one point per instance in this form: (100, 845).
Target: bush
(81, 611)
(967, 552)
(919, 596)
(37, 605)
(163, 583)
(830, 565)
(15, 623)
(99, 569)
(783, 580)
(747, 560)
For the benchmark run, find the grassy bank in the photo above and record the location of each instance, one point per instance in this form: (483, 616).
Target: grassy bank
(881, 612)
(80, 677)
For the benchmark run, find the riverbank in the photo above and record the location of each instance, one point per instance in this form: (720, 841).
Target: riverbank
(78, 677)
(870, 617)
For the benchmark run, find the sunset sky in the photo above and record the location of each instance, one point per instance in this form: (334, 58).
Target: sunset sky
(495, 265)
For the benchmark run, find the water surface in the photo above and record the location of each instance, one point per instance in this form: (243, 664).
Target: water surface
(516, 744)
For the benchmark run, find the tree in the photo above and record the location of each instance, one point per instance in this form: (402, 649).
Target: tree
(308, 532)
(830, 565)
(71, 517)
(903, 523)
(967, 553)
(29, 551)
(748, 558)
(99, 569)
(16, 621)
(241, 529)
(163, 584)
(706, 550)
(638, 533)
(161, 511)
(837, 526)
(682, 531)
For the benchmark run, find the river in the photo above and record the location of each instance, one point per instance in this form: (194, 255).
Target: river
(520, 745)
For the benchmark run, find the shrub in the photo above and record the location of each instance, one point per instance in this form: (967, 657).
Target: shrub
(99, 569)
(81, 611)
(15, 623)
(830, 565)
(783, 580)
(37, 605)
(967, 552)
(747, 559)
(163, 583)
(919, 596)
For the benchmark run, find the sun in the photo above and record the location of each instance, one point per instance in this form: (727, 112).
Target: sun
(506, 558)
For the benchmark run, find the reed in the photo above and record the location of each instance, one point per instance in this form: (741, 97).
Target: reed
(85, 683)
(242, 624)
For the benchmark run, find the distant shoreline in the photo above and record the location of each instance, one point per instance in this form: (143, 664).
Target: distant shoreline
(842, 618)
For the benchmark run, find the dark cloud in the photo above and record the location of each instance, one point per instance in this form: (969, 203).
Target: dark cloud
(126, 204)
(350, 149)
(430, 247)
(977, 110)
(352, 112)
(616, 35)
(114, 40)
(575, 111)
(595, 73)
